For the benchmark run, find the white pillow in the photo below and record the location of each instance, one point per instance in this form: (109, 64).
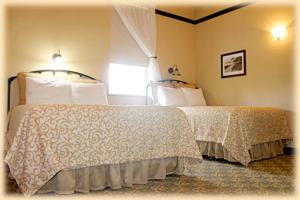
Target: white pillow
(170, 96)
(154, 86)
(89, 93)
(43, 91)
(194, 97)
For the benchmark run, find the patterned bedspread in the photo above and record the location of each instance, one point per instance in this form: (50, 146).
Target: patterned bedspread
(237, 128)
(50, 138)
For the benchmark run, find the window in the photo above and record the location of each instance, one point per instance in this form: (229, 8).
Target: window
(127, 80)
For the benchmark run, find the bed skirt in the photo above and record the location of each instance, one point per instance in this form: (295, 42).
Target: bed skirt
(113, 176)
(257, 151)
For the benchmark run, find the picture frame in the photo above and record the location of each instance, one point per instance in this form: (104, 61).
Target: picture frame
(233, 64)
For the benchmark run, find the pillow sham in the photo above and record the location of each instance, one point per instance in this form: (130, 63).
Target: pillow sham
(22, 84)
(89, 93)
(154, 87)
(194, 97)
(170, 96)
(42, 91)
(46, 76)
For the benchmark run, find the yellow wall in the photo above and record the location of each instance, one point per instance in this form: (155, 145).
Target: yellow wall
(176, 45)
(184, 10)
(83, 34)
(270, 63)
(88, 42)
(210, 9)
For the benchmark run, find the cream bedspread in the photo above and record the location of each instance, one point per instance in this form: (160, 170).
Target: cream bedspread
(55, 137)
(238, 127)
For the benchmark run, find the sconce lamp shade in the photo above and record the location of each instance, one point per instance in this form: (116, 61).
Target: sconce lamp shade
(170, 70)
(174, 70)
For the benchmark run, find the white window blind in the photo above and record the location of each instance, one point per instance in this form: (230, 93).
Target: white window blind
(127, 79)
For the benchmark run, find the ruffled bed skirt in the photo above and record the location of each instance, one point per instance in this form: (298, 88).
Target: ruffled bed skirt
(257, 151)
(113, 176)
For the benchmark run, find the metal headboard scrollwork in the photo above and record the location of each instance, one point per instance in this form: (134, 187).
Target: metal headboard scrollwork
(53, 71)
(163, 81)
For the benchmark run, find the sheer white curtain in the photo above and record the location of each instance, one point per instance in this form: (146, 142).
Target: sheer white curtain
(139, 18)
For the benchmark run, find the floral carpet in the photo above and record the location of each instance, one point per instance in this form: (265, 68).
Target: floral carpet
(274, 176)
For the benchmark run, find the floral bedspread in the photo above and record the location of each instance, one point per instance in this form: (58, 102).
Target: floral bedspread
(238, 127)
(50, 138)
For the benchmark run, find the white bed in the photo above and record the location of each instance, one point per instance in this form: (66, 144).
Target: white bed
(65, 148)
(234, 133)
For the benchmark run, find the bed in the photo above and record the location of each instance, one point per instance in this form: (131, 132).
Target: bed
(234, 133)
(67, 148)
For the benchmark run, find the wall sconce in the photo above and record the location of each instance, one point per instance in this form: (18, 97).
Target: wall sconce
(57, 58)
(278, 32)
(174, 70)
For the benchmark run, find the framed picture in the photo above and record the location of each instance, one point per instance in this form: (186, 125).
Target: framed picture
(233, 64)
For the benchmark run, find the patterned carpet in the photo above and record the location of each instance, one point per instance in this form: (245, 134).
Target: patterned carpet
(271, 176)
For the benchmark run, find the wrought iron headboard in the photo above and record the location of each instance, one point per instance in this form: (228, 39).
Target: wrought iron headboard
(54, 71)
(162, 81)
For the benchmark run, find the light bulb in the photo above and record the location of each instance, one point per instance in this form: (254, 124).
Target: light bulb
(278, 32)
(58, 59)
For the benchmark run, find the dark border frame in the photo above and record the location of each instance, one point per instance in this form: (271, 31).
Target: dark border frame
(244, 63)
(203, 19)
